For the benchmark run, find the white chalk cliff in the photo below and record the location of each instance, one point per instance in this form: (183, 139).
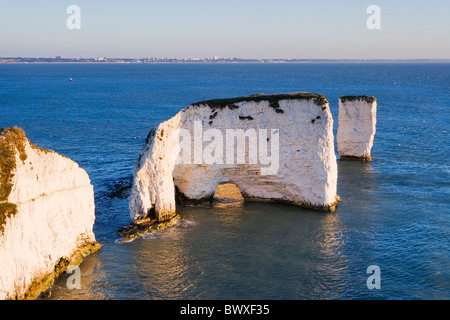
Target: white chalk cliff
(356, 127)
(46, 216)
(299, 166)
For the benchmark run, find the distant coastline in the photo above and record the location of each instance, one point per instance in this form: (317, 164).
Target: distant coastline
(104, 60)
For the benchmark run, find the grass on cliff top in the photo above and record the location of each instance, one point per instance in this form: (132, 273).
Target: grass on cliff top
(11, 139)
(222, 103)
(368, 99)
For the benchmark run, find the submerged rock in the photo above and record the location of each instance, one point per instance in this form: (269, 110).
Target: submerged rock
(289, 154)
(46, 216)
(357, 126)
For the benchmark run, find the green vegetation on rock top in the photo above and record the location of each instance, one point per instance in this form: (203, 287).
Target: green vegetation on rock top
(11, 139)
(368, 99)
(222, 103)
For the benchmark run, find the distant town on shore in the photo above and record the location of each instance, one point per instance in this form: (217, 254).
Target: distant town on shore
(60, 59)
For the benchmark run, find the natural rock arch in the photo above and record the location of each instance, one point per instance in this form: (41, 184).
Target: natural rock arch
(304, 174)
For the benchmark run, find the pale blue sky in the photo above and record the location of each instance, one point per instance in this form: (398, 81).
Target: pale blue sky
(231, 28)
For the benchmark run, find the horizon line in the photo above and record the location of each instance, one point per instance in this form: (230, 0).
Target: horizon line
(215, 58)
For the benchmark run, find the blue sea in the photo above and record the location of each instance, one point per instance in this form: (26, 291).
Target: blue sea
(394, 212)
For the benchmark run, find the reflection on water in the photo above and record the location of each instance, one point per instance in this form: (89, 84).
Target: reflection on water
(239, 250)
(228, 214)
(163, 266)
(249, 252)
(330, 240)
(333, 271)
(91, 273)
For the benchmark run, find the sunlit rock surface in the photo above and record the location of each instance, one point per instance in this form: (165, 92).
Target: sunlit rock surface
(304, 173)
(46, 216)
(356, 127)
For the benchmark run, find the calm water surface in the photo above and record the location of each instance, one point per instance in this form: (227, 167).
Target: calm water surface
(394, 211)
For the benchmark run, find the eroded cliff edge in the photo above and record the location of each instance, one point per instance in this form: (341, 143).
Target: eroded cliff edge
(46, 216)
(306, 172)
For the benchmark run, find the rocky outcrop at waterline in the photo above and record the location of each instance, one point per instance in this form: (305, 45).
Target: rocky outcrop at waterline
(46, 216)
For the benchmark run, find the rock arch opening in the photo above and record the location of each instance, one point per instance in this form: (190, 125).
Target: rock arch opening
(227, 194)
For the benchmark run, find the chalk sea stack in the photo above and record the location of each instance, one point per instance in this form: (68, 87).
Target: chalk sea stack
(299, 136)
(46, 216)
(356, 127)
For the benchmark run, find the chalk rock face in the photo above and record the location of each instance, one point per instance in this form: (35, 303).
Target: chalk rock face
(273, 147)
(46, 216)
(357, 126)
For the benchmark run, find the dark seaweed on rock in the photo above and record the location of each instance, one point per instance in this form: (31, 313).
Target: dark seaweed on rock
(150, 135)
(319, 99)
(120, 189)
(368, 99)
